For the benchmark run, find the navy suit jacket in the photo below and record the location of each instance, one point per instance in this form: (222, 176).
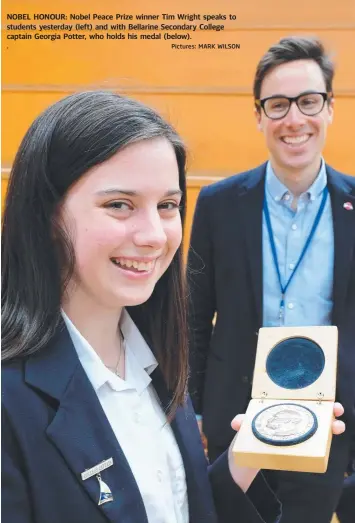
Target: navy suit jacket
(225, 276)
(54, 428)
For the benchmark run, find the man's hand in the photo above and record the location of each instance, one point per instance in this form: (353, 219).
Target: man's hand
(244, 476)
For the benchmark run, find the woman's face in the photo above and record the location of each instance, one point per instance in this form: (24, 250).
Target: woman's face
(124, 221)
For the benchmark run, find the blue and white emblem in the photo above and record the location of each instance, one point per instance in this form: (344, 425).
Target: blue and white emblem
(105, 492)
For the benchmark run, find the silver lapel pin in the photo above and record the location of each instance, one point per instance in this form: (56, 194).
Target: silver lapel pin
(105, 492)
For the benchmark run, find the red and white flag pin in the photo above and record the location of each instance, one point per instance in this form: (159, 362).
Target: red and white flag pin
(348, 206)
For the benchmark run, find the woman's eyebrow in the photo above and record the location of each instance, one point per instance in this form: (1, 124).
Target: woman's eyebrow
(117, 191)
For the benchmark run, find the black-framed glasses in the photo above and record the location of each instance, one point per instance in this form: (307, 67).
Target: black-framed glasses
(277, 107)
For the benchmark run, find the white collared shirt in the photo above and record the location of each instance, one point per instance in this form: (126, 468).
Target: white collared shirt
(139, 423)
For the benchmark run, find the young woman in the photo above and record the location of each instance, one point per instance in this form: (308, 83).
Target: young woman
(96, 423)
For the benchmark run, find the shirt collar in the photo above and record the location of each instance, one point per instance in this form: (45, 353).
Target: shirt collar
(277, 189)
(140, 361)
(137, 344)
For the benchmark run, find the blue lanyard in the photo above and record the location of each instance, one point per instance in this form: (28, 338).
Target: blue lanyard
(304, 250)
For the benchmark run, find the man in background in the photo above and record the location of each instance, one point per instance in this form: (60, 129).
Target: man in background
(275, 246)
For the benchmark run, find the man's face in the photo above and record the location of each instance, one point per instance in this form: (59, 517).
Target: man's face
(295, 141)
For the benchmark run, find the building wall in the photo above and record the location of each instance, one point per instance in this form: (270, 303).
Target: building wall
(206, 94)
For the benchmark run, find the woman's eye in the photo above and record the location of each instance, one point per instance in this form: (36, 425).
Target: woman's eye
(122, 206)
(169, 206)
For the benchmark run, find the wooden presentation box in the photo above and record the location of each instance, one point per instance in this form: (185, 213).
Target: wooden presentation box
(288, 423)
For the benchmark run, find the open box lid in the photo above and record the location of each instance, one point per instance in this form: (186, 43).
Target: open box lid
(298, 363)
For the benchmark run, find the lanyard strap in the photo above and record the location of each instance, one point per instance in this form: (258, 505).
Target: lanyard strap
(304, 250)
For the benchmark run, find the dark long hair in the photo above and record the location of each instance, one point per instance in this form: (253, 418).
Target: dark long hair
(67, 139)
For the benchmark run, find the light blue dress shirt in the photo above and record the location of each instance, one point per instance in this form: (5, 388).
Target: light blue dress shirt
(308, 299)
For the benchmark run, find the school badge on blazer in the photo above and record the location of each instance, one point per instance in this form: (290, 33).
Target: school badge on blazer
(105, 494)
(288, 423)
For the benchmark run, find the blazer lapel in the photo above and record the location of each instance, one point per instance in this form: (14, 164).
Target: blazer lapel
(344, 237)
(81, 431)
(250, 207)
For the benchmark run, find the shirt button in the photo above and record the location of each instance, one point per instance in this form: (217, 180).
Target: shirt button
(290, 306)
(159, 476)
(287, 196)
(291, 266)
(137, 417)
(294, 227)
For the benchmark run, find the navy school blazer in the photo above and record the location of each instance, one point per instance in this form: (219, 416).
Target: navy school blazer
(54, 428)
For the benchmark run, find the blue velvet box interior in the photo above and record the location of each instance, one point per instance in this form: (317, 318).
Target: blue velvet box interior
(295, 363)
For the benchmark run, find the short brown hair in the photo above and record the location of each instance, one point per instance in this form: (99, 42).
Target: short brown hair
(290, 49)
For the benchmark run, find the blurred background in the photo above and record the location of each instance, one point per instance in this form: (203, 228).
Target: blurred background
(205, 93)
